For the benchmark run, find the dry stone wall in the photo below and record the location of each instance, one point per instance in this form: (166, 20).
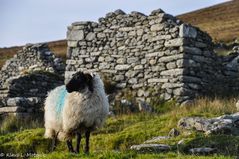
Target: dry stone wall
(154, 56)
(27, 77)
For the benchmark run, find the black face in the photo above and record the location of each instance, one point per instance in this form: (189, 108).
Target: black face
(79, 82)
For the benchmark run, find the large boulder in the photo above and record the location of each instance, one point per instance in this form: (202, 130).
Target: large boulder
(226, 124)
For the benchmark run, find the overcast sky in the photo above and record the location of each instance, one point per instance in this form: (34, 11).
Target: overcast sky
(31, 21)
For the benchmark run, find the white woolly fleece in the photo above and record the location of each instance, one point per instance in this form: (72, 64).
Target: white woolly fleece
(80, 111)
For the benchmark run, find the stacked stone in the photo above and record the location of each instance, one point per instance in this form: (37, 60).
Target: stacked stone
(26, 93)
(229, 82)
(200, 64)
(133, 50)
(31, 58)
(206, 73)
(27, 77)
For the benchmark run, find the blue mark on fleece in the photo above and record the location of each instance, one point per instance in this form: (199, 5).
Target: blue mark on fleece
(61, 101)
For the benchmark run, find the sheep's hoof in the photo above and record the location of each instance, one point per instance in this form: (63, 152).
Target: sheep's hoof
(86, 152)
(73, 152)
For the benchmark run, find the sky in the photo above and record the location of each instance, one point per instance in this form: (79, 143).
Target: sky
(33, 21)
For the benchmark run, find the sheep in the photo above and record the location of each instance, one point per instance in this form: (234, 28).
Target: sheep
(80, 106)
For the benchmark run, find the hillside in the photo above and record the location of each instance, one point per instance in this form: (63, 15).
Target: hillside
(220, 21)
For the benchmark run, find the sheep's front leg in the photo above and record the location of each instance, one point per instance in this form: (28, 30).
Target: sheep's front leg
(54, 143)
(87, 138)
(78, 140)
(69, 145)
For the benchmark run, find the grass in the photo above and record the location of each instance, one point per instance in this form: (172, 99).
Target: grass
(122, 131)
(13, 123)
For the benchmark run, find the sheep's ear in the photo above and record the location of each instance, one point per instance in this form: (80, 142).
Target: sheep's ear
(89, 81)
(78, 74)
(92, 74)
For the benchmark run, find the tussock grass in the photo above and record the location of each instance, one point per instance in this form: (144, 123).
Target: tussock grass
(208, 107)
(12, 123)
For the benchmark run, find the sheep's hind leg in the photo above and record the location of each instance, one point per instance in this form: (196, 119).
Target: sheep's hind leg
(69, 145)
(87, 137)
(78, 140)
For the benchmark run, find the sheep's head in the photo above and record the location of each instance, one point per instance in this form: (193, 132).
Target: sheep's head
(79, 82)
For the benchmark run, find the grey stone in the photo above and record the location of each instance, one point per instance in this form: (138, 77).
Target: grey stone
(156, 139)
(180, 63)
(161, 37)
(138, 67)
(172, 85)
(147, 148)
(11, 109)
(80, 23)
(72, 43)
(119, 11)
(144, 106)
(174, 42)
(157, 11)
(121, 61)
(119, 78)
(192, 50)
(158, 68)
(171, 58)
(140, 93)
(226, 124)
(133, 81)
(203, 150)
(187, 31)
(157, 80)
(109, 59)
(152, 62)
(90, 36)
(106, 66)
(155, 54)
(135, 86)
(121, 85)
(75, 35)
(171, 65)
(122, 67)
(157, 27)
(140, 32)
(173, 72)
(173, 133)
(132, 60)
(109, 71)
(143, 61)
(178, 91)
(126, 29)
(101, 59)
(71, 62)
(130, 74)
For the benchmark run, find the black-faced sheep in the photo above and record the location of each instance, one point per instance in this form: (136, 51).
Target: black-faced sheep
(79, 107)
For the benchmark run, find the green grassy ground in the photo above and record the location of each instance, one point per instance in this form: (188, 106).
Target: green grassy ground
(122, 131)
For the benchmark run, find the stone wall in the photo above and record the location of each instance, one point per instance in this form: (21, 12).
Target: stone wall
(155, 55)
(27, 77)
(26, 93)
